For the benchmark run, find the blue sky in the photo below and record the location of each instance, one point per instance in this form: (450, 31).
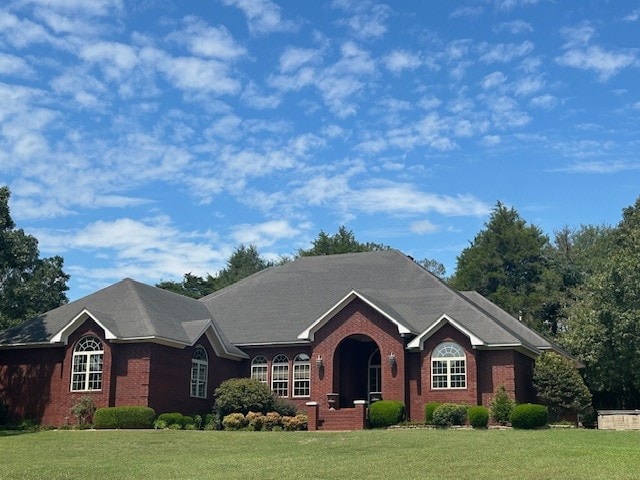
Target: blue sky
(148, 139)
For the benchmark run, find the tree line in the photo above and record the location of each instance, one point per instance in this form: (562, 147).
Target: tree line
(580, 288)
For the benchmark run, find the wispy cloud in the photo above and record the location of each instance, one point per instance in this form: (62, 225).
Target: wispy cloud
(263, 16)
(366, 19)
(601, 167)
(514, 27)
(399, 60)
(605, 63)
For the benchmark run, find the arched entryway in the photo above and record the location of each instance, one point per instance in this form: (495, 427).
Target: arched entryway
(357, 369)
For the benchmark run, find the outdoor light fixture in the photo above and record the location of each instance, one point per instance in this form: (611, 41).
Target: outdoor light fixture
(392, 359)
(319, 362)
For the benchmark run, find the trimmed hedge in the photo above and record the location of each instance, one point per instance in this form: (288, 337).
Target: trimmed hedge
(384, 413)
(429, 408)
(175, 418)
(449, 414)
(478, 416)
(243, 395)
(529, 415)
(124, 417)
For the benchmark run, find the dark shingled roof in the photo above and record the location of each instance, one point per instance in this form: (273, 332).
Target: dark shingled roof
(128, 310)
(277, 304)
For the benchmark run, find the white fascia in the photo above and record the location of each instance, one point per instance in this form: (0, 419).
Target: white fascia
(63, 334)
(218, 345)
(309, 332)
(418, 342)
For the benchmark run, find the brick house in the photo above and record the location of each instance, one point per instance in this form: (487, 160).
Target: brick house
(329, 333)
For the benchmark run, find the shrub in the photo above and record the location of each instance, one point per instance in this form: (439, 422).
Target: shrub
(173, 418)
(234, 421)
(284, 407)
(501, 406)
(478, 416)
(449, 414)
(83, 410)
(384, 413)
(124, 417)
(255, 420)
(159, 424)
(529, 415)
(272, 421)
(428, 412)
(243, 395)
(304, 421)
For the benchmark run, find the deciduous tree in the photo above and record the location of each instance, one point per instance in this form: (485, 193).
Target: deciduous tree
(29, 285)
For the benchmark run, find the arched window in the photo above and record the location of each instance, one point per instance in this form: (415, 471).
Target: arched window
(199, 372)
(280, 375)
(87, 365)
(448, 366)
(301, 375)
(259, 368)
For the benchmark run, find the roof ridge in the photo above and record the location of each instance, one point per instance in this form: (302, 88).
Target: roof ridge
(132, 285)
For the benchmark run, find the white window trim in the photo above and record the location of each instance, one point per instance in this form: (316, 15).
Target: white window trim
(263, 366)
(280, 365)
(86, 373)
(196, 379)
(448, 360)
(301, 365)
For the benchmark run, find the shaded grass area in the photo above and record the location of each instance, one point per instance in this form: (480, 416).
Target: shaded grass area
(375, 454)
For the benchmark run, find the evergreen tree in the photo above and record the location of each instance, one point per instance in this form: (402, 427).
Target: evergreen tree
(343, 241)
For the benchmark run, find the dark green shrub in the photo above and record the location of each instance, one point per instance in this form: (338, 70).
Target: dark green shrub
(449, 414)
(173, 418)
(234, 421)
(478, 416)
(243, 395)
(187, 422)
(529, 415)
(429, 408)
(384, 413)
(124, 417)
(501, 406)
(285, 408)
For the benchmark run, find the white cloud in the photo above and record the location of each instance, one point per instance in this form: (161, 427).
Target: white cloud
(546, 102)
(10, 65)
(504, 52)
(93, 7)
(508, 5)
(293, 58)
(253, 96)
(203, 40)
(491, 140)
(577, 36)
(367, 20)
(601, 167)
(466, 12)
(115, 59)
(529, 85)
(264, 234)
(493, 80)
(22, 33)
(605, 63)
(423, 227)
(514, 27)
(633, 16)
(263, 16)
(399, 60)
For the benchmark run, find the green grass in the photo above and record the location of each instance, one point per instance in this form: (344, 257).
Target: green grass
(375, 454)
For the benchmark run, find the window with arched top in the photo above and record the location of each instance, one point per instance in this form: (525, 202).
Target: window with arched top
(199, 372)
(280, 375)
(301, 375)
(259, 368)
(448, 366)
(86, 368)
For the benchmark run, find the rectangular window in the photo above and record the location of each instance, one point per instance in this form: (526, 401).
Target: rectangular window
(259, 372)
(87, 372)
(198, 380)
(280, 379)
(301, 379)
(439, 374)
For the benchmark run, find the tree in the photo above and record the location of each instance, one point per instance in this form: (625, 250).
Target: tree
(505, 263)
(29, 285)
(603, 326)
(343, 241)
(244, 261)
(559, 385)
(434, 267)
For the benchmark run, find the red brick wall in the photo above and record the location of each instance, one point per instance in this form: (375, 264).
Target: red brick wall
(170, 378)
(524, 378)
(357, 318)
(497, 368)
(420, 390)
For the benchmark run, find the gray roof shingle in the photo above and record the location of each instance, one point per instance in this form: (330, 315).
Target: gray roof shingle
(277, 304)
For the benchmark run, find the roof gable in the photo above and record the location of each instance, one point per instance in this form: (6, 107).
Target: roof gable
(309, 332)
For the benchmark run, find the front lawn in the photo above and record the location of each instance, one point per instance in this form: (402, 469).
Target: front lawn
(375, 454)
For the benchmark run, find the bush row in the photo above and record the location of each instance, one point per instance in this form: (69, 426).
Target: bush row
(256, 421)
(124, 417)
(385, 413)
(525, 416)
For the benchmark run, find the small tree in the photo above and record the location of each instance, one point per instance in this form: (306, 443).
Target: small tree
(243, 395)
(83, 410)
(559, 385)
(501, 406)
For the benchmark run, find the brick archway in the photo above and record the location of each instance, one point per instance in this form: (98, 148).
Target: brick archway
(351, 368)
